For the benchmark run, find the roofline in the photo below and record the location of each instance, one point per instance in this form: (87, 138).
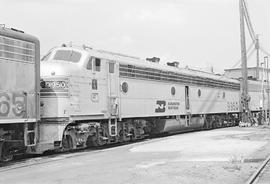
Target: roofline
(247, 68)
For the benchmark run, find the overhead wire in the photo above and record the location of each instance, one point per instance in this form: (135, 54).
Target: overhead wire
(248, 57)
(248, 50)
(248, 22)
(264, 51)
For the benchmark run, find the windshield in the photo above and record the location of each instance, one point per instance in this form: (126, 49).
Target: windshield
(67, 55)
(46, 57)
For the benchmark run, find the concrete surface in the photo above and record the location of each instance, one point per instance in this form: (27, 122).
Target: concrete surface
(228, 155)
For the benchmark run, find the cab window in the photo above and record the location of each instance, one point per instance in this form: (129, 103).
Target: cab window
(46, 57)
(97, 64)
(89, 64)
(111, 67)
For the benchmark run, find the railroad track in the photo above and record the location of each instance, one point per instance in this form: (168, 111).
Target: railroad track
(28, 160)
(262, 174)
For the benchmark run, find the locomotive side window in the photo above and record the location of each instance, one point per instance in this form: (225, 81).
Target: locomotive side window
(187, 91)
(111, 67)
(187, 97)
(94, 84)
(89, 64)
(199, 93)
(173, 91)
(97, 64)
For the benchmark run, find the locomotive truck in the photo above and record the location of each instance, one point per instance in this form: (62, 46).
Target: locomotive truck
(84, 97)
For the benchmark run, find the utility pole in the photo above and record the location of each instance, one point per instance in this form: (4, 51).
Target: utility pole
(262, 102)
(267, 89)
(244, 83)
(257, 47)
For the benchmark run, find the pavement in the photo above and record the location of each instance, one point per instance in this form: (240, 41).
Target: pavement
(228, 155)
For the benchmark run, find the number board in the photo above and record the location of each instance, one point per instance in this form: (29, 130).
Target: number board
(56, 84)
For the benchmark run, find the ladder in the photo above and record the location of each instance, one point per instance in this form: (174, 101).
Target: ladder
(113, 127)
(30, 137)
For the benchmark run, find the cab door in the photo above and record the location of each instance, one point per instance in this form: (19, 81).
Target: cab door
(113, 88)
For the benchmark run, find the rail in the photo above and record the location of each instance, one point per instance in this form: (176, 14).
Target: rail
(259, 171)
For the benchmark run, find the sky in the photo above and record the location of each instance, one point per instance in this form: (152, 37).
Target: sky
(196, 33)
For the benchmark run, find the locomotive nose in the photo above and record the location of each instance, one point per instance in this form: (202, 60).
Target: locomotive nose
(57, 68)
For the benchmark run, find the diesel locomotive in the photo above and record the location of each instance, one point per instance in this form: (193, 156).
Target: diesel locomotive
(94, 97)
(77, 97)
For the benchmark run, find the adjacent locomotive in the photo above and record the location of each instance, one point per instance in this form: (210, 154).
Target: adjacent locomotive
(19, 92)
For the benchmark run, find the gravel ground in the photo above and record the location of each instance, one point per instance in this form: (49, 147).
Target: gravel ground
(227, 155)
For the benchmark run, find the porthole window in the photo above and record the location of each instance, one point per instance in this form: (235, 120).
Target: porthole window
(124, 87)
(199, 93)
(173, 91)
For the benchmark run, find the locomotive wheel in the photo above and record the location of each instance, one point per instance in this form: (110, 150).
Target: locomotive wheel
(133, 136)
(5, 157)
(5, 154)
(95, 141)
(67, 142)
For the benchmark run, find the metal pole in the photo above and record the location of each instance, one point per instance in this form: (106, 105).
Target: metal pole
(267, 80)
(262, 104)
(265, 90)
(257, 46)
(244, 84)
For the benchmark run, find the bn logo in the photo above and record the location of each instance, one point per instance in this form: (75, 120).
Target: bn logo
(161, 106)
